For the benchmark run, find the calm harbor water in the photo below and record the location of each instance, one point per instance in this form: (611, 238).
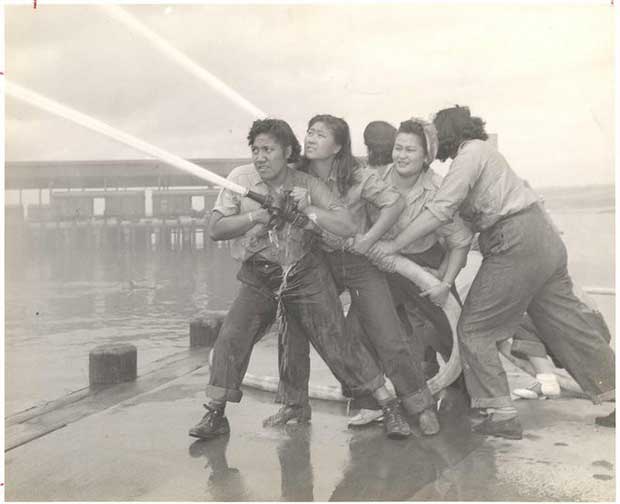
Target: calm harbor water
(61, 303)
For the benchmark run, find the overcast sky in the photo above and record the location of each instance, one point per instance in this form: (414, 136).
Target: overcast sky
(541, 76)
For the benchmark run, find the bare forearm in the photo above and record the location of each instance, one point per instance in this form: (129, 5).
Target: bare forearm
(227, 228)
(387, 218)
(457, 258)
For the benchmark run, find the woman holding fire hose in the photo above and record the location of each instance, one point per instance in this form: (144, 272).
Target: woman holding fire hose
(523, 270)
(413, 150)
(328, 156)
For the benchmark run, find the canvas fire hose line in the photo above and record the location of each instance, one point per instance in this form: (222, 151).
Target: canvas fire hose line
(399, 264)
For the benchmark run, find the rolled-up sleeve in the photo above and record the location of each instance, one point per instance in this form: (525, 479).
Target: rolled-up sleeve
(227, 202)
(456, 233)
(462, 175)
(376, 191)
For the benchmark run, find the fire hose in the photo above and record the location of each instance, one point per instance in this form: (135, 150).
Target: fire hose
(280, 214)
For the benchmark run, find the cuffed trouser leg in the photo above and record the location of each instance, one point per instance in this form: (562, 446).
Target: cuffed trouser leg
(491, 313)
(372, 302)
(250, 315)
(572, 332)
(311, 302)
(524, 269)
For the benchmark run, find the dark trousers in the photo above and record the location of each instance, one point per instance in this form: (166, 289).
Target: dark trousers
(526, 342)
(524, 270)
(420, 309)
(425, 324)
(307, 300)
(373, 324)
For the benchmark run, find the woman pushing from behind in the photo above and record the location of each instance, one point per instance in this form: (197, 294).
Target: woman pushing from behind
(524, 268)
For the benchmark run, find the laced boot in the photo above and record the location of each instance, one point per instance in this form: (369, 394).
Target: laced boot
(213, 423)
(288, 412)
(394, 422)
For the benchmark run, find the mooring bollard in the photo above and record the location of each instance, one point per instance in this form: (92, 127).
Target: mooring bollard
(112, 363)
(203, 331)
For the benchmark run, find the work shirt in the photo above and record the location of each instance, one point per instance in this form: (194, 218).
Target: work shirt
(456, 233)
(481, 186)
(367, 188)
(287, 245)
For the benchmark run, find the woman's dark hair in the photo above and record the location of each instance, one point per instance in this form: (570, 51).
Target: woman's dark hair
(415, 128)
(281, 133)
(345, 164)
(454, 126)
(379, 138)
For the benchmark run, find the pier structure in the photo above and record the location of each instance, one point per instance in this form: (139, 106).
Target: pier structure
(124, 204)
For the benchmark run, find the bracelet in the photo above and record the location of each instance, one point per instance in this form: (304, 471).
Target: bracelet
(313, 217)
(251, 217)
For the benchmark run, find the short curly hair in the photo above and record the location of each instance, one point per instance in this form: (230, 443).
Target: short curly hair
(454, 126)
(280, 131)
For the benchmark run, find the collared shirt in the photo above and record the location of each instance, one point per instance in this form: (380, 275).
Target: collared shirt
(456, 234)
(481, 186)
(287, 245)
(367, 188)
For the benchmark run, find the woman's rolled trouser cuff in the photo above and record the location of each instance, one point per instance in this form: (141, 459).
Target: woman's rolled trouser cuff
(491, 402)
(221, 394)
(520, 347)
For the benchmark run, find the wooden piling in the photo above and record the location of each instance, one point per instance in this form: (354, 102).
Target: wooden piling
(112, 363)
(204, 331)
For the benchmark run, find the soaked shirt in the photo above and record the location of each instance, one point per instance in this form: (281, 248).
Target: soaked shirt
(481, 186)
(456, 233)
(287, 245)
(367, 190)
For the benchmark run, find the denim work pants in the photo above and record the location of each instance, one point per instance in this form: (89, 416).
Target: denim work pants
(524, 270)
(417, 307)
(415, 311)
(526, 342)
(308, 300)
(372, 324)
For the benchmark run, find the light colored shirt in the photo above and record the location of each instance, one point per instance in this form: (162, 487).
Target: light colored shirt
(481, 186)
(367, 188)
(284, 246)
(456, 233)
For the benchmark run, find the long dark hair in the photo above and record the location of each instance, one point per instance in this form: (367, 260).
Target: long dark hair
(345, 164)
(454, 126)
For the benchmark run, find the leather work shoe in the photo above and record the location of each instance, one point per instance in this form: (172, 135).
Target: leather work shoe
(429, 423)
(213, 424)
(366, 417)
(288, 412)
(509, 429)
(394, 422)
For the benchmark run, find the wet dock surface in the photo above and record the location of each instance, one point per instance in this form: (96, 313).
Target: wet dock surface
(139, 450)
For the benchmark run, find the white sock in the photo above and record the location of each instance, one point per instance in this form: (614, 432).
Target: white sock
(549, 384)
